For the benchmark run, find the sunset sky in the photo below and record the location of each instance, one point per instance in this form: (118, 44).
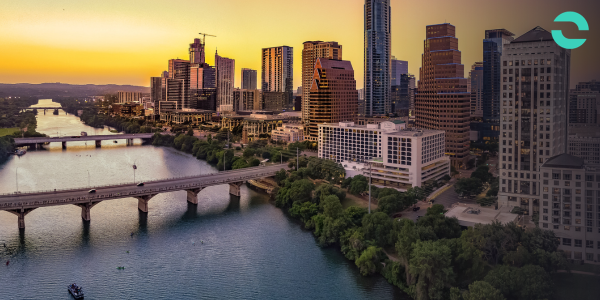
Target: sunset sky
(128, 41)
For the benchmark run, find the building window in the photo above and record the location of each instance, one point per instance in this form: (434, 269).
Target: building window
(578, 243)
(567, 242)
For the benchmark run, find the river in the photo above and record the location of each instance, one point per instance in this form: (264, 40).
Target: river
(223, 248)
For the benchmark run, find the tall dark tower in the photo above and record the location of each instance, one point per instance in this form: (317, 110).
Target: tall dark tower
(377, 58)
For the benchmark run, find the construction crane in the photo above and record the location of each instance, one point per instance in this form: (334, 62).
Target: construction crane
(204, 37)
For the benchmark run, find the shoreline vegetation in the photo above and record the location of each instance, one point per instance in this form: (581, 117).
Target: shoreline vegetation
(433, 258)
(15, 123)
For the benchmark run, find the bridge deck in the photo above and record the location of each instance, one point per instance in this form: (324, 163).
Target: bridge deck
(39, 140)
(82, 195)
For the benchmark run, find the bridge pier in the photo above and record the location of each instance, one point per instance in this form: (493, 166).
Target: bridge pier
(98, 144)
(129, 142)
(85, 210)
(21, 213)
(143, 202)
(64, 145)
(192, 195)
(234, 188)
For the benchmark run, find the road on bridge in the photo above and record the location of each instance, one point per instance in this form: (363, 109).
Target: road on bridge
(40, 140)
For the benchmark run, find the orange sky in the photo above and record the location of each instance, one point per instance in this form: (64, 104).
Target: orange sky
(127, 42)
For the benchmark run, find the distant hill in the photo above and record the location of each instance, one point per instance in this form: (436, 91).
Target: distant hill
(55, 90)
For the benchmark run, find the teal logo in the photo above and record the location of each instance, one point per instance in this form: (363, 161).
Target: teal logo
(573, 17)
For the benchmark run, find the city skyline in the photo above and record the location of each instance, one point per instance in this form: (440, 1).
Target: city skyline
(129, 44)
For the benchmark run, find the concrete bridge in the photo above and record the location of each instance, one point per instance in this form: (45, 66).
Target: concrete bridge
(38, 141)
(21, 204)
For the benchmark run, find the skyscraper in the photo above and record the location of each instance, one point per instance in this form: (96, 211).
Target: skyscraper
(584, 105)
(442, 101)
(248, 79)
(333, 95)
(493, 45)
(178, 85)
(476, 78)
(225, 71)
(278, 71)
(533, 114)
(399, 67)
(377, 57)
(197, 52)
(311, 52)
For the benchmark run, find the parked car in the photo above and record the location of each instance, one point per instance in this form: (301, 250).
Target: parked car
(416, 208)
(92, 191)
(140, 184)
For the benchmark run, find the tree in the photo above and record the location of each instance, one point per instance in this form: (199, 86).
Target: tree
(481, 290)
(248, 152)
(325, 190)
(404, 246)
(528, 282)
(352, 243)
(443, 227)
(304, 211)
(390, 204)
(468, 187)
(368, 262)
(355, 214)
(482, 172)
(431, 264)
(254, 162)
(239, 164)
(377, 227)
(190, 132)
(359, 185)
(436, 209)
(332, 207)
(280, 176)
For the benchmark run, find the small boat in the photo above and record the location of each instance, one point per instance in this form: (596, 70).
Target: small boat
(76, 291)
(115, 142)
(120, 268)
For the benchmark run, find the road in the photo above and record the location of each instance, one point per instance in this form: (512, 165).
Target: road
(39, 140)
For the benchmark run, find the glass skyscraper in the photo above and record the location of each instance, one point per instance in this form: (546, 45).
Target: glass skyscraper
(377, 57)
(492, 52)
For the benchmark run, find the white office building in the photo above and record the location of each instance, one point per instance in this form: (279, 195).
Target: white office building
(399, 158)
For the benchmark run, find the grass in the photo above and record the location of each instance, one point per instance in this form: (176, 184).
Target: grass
(8, 131)
(575, 286)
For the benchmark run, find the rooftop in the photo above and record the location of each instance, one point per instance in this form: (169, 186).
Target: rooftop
(537, 34)
(564, 160)
(469, 215)
(414, 132)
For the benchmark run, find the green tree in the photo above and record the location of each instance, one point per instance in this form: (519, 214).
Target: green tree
(468, 186)
(325, 190)
(377, 227)
(300, 190)
(304, 211)
(431, 265)
(481, 290)
(356, 214)
(368, 262)
(352, 243)
(280, 176)
(359, 185)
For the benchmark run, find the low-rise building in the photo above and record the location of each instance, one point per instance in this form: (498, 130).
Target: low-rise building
(288, 133)
(127, 97)
(255, 124)
(571, 205)
(399, 158)
(127, 109)
(584, 142)
(191, 116)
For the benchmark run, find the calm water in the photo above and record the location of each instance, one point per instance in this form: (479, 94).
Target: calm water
(224, 248)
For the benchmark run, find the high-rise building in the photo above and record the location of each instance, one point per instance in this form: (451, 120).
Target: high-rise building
(533, 115)
(311, 52)
(197, 52)
(442, 101)
(399, 67)
(157, 89)
(245, 99)
(278, 71)
(179, 70)
(406, 95)
(584, 105)
(493, 45)
(590, 85)
(377, 57)
(248, 79)
(333, 95)
(476, 78)
(225, 72)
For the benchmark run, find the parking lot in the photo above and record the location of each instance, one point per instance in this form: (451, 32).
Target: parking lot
(447, 198)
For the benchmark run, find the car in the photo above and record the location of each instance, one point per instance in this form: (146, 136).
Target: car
(92, 191)
(140, 184)
(416, 208)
